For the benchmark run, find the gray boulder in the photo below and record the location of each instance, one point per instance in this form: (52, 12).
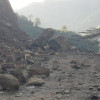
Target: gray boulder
(35, 81)
(19, 75)
(9, 82)
(37, 69)
(59, 43)
(43, 38)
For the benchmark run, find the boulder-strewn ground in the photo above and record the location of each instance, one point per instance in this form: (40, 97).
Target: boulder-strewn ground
(73, 76)
(40, 69)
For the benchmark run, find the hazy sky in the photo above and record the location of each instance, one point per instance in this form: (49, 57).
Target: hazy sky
(17, 4)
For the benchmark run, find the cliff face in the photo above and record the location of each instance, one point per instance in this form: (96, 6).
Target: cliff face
(7, 16)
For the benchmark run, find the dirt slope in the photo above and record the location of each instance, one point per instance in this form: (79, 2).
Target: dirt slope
(9, 32)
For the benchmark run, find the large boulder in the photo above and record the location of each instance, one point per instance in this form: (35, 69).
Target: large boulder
(37, 69)
(35, 81)
(43, 38)
(9, 82)
(19, 75)
(59, 43)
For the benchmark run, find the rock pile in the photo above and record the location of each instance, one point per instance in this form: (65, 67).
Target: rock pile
(15, 77)
(59, 43)
(46, 40)
(36, 69)
(9, 82)
(43, 38)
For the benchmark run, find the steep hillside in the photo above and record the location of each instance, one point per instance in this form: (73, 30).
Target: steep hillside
(7, 16)
(9, 32)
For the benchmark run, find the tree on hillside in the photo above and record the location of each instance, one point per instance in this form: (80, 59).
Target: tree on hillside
(30, 17)
(37, 21)
(63, 28)
(98, 27)
(27, 25)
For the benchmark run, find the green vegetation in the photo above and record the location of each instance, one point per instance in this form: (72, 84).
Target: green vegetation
(63, 28)
(27, 25)
(37, 21)
(79, 42)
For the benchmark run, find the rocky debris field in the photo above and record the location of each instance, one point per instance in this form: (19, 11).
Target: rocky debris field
(65, 76)
(43, 68)
(47, 68)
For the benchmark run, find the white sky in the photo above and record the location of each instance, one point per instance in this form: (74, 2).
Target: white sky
(18, 4)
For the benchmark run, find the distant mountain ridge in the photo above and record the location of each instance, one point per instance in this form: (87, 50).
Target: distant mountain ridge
(73, 13)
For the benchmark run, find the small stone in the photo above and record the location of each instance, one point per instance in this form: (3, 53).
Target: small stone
(75, 66)
(30, 87)
(1, 87)
(2, 92)
(91, 88)
(87, 92)
(37, 69)
(35, 81)
(73, 62)
(98, 88)
(19, 95)
(32, 92)
(67, 92)
(42, 98)
(96, 75)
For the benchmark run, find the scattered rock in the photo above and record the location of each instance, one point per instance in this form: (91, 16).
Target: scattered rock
(96, 86)
(2, 92)
(55, 65)
(35, 81)
(19, 95)
(30, 88)
(76, 66)
(59, 43)
(43, 38)
(73, 62)
(30, 62)
(1, 87)
(25, 73)
(97, 67)
(63, 92)
(98, 89)
(19, 75)
(9, 82)
(94, 97)
(37, 69)
(91, 88)
(7, 67)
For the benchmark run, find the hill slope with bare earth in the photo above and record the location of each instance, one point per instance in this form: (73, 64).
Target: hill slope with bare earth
(9, 32)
